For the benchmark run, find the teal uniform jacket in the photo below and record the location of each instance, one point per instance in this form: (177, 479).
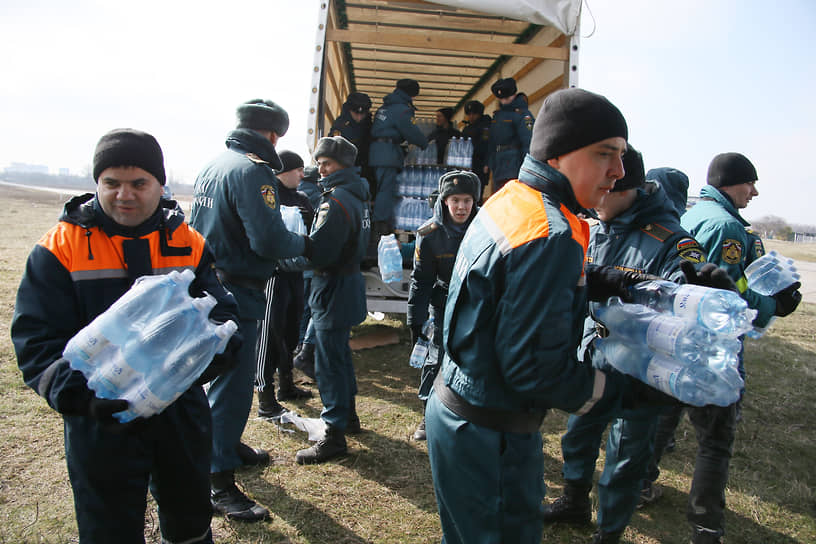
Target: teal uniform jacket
(356, 133)
(340, 234)
(717, 225)
(646, 238)
(513, 318)
(509, 139)
(236, 208)
(394, 124)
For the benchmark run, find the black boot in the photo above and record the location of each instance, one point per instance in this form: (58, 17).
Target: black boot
(701, 535)
(252, 457)
(304, 360)
(602, 537)
(230, 502)
(287, 390)
(571, 507)
(331, 446)
(353, 424)
(268, 405)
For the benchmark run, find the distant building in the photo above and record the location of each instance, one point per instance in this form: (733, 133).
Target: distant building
(64, 171)
(23, 168)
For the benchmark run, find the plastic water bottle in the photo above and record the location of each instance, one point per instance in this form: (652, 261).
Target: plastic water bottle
(667, 334)
(718, 310)
(147, 297)
(389, 259)
(179, 370)
(430, 153)
(771, 273)
(293, 219)
(697, 385)
(467, 153)
(420, 352)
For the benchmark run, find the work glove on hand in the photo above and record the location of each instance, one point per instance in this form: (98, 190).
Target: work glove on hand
(221, 362)
(787, 300)
(604, 282)
(102, 410)
(416, 334)
(710, 275)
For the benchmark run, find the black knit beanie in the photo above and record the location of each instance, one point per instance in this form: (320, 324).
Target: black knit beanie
(129, 147)
(635, 173)
(337, 148)
(290, 160)
(261, 114)
(459, 182)
(409, 87)
(730, 169)
(504, 88)
(574, 118)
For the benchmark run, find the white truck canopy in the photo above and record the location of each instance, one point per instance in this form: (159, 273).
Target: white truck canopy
(455, 49)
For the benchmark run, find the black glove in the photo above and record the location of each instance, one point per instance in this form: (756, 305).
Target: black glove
(102, 410)
(710, 275)
(221, 362)
(604, 282)
(787, 300)
(638, 395)
(416, 334)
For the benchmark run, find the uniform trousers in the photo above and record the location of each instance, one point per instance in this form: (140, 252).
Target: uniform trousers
(334, 374)
(489, 484)
(111, 472)
(629, 449)
(230, 396)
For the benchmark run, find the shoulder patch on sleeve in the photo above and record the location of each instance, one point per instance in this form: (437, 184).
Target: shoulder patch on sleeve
(255, 158)
(732, 251)
(658, 232)
(268, 194)
(758, 249)
(322, 215)
(427, 229)
(689, 250)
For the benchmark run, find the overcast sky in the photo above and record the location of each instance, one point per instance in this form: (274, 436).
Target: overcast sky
(693, 78)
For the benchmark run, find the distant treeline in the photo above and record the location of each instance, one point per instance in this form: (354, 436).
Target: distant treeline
(771, 226)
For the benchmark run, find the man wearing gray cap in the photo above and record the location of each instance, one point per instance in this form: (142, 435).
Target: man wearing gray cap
(521, 281)
(339, 235)
(236, 208)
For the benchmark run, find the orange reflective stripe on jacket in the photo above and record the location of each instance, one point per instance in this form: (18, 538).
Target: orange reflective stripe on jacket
(90, 254)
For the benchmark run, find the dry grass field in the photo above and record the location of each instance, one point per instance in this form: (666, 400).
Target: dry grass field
(381, 492)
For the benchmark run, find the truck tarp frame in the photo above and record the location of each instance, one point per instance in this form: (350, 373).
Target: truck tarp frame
(455, 49)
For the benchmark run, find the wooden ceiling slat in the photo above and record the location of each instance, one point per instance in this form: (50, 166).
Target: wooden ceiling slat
(401, 17)
(432, 42)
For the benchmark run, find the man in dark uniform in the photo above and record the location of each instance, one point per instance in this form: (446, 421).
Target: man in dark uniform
(76, 271)
(304, 358)
(436, 245)
(280, 328)
(236, 208)
(478, 130)
(354, 124)
(639, 230)
(510, 133)
(339, 237)
(393, 124)
(443, 132)
(716, 223)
